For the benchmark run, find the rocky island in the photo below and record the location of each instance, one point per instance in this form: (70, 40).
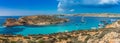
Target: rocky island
(34, 20)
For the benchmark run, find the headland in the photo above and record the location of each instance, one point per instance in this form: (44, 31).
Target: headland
(34, 20)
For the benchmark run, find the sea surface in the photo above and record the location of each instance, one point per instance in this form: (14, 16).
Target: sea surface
(75, 23)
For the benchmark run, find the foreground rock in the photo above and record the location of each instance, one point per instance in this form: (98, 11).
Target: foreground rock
(34, 20)
(105, 35)
(114, 25)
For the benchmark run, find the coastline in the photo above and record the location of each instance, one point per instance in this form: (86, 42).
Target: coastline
(93, 14)
(81, 14)
(82, 36)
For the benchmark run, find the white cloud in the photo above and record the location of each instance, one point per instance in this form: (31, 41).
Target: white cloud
(60, 9)
(64, 4)
(109, 2)
(67, 5)
(72, 10)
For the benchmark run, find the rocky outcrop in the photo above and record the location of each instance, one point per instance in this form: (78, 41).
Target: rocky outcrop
(35, 20)
(113, 25)
(90, 36)
(110, 37)
(12, 22)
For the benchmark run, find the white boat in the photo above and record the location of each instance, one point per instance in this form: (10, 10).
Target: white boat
(100, 24)
(66, 30)
(82, 19)
(93, 28)
(112, 20)
(2, 26)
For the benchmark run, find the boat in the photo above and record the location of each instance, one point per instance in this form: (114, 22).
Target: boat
(100, 25)
(112, 20)
(104, 22)
(66, 30)
(93, 28)
(82, 19)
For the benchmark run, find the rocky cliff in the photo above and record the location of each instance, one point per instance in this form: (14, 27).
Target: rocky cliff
(34, 20)
(113, 25)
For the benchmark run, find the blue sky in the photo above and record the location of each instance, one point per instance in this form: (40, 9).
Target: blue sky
(32, 7)
(28, 6)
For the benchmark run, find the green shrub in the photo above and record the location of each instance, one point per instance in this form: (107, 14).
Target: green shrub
(13, 42)
(41, 41)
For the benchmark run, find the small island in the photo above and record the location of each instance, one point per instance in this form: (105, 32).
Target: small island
(34, 20)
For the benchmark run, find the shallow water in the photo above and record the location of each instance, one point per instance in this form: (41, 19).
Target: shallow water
(74, 24)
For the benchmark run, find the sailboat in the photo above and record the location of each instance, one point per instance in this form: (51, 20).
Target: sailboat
(112, 20)
(82, 19)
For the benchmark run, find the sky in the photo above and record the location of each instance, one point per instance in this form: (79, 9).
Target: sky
(27, 7)
(89, 6)
(35, 7)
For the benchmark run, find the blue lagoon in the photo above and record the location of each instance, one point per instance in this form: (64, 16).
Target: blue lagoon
(74, 24)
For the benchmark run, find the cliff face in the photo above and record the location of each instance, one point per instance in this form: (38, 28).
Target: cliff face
(12, 22)
(34, 20)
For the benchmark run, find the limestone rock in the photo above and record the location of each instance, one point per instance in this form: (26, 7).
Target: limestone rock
(114, 25)
(35, 20)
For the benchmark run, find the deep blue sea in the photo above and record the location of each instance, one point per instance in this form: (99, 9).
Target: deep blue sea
(74, 24)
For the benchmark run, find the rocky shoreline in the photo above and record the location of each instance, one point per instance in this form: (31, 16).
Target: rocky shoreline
(109, 34)
(34, 20)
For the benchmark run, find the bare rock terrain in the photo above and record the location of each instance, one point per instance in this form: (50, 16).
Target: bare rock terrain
(34, 20)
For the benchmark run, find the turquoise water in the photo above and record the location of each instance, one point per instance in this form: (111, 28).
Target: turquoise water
(74, 24)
